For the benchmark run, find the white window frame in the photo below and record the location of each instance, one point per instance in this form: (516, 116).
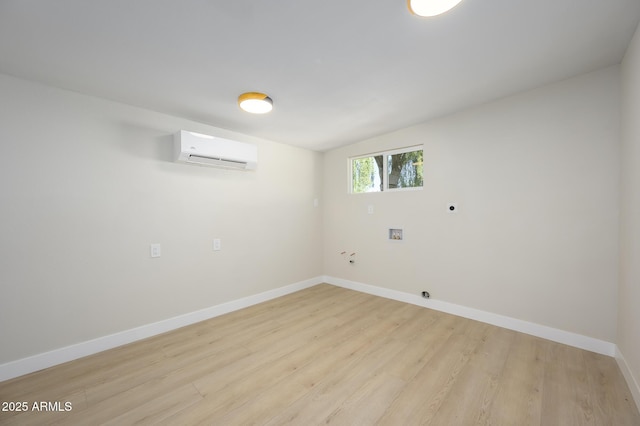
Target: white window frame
(385, 171)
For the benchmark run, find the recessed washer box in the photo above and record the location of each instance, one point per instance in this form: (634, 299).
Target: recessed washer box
(396, 234)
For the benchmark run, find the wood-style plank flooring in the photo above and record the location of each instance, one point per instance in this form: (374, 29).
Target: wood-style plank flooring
(328, 355)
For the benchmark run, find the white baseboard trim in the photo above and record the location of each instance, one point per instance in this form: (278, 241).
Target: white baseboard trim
(545, 332)
(44, 360)
(633, 384)
(58, 356)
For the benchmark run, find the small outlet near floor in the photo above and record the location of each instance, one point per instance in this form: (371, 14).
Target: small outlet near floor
(217, 244)
(426, 294)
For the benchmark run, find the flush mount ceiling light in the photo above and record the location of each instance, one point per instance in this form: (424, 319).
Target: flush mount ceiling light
(431, 7)
(255, 102)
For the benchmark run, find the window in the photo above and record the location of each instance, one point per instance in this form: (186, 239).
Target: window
(367, 174)
(387, 171)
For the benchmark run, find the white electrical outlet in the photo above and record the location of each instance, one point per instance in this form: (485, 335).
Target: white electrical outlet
(217, 244)
(370, 209)
(155, 250)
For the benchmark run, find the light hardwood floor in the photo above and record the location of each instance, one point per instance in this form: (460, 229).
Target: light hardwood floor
(330, 355)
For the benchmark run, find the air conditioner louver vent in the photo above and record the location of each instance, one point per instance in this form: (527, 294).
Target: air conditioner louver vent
(217, 162)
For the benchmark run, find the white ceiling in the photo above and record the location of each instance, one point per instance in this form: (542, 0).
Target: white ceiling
(339, 71)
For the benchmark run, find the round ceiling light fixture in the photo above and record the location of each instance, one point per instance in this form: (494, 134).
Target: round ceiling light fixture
(255, 103)
(431, 7)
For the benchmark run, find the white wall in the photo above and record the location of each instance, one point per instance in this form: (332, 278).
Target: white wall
(629, 301)
(87, 184)
(535, 176)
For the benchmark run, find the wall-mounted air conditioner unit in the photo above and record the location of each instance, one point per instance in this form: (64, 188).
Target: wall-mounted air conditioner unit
(206, 150)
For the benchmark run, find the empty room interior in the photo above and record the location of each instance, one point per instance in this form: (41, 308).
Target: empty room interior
(432, 217)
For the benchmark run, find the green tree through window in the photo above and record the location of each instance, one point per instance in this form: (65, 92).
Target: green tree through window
(367, 175)
(405, 170)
